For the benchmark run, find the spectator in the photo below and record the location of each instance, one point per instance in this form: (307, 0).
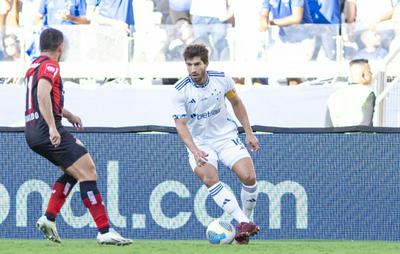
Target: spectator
(326, 13)
(372, 48)
(9, 13)
(180, 38)
(210, 21)
(12, 48)
(287, 15)
(284, 13)
(33, 50)
(12, 52)
(62, 12)
(395, 16)
(179, 9)
(246, 36)
(181, 34)
(367, 12)
(55, 13)
(5, 7)
(162, 7)
(293, 81)
(28, 13)
(183, 38)
(118, 13)
(353, 104)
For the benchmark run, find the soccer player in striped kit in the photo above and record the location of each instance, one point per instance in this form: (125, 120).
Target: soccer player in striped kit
(46, 136)
(210, 134)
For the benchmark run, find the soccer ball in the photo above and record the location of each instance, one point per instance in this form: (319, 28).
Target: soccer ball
(220, 232)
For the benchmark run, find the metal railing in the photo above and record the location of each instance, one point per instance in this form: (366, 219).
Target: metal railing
(102, 52)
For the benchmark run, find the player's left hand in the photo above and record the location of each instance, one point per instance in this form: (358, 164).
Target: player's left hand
(76, 122)
(252, 142)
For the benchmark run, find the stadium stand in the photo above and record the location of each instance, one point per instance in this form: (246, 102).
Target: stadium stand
(99, 54)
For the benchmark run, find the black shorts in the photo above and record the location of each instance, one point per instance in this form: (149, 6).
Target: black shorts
(64, 155)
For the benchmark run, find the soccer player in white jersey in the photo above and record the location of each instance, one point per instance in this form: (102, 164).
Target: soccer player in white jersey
(210, 134)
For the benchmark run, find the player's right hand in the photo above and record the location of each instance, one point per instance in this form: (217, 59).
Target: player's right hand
(76, 122)
(252, 141)
(54, 136)
(200, 157)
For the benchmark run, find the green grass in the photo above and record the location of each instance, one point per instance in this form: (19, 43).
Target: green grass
(200, 247)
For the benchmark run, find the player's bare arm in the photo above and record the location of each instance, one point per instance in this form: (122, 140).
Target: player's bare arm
(350, 11)
(264, 17)
(240, 111)
(77, 20)
(46, 110)
(93, 16)
(73, 119)
(183, 131)
(294, 19)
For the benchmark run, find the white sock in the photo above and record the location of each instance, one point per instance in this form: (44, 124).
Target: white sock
(227, 201)
(249, 196)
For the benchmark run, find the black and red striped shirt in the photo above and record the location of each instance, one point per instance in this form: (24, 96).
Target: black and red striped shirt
(36, 128)
(43, 68)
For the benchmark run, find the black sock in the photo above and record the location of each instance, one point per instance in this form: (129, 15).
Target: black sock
(104, 230)
(50, 217)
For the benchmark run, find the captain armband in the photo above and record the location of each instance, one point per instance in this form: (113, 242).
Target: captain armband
(231, 94)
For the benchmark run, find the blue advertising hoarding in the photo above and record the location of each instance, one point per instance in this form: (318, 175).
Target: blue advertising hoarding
(312, 186)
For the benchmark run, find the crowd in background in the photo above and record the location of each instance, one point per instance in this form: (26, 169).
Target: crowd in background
(209, 22)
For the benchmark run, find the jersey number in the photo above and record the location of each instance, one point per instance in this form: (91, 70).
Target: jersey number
(28, 82)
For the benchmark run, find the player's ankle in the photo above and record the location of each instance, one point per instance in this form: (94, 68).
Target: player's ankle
(50, 217)
(104, 230)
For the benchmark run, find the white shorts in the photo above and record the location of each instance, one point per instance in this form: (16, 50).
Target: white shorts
(228, 151)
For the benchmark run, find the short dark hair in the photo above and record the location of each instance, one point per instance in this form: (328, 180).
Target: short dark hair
(358, 61)
(195, 50)
(50, 39)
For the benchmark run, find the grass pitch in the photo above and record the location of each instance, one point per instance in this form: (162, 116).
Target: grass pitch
(200, 247)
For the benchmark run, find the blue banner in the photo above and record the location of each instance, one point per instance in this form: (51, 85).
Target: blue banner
(312, 186)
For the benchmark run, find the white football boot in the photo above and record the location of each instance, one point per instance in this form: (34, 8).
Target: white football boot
(49, 229)
(112, 238)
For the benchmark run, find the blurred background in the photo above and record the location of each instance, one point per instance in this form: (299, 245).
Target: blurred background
(285, 68)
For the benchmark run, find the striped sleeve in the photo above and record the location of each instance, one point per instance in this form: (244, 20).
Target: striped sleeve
(178, 105)
(49, 70)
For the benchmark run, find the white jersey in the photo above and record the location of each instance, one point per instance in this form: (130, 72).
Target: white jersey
(204, 107)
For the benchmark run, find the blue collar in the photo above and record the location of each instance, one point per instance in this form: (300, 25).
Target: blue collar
(199, 85)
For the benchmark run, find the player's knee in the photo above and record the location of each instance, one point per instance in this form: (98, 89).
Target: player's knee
(91, 172)
(210, 181)
(249, 178)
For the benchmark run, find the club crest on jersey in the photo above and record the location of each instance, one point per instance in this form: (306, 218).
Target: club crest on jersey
(51, 69)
